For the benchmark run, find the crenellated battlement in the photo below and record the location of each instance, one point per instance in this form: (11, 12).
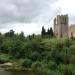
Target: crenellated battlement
(61, 25)
(62, 28)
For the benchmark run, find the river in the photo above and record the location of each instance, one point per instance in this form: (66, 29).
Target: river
(4, 72)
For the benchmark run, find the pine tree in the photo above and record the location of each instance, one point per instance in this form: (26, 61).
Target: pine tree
(10, 33)
(48, 31)
(43, 31)
(21, 35)
(51, 32)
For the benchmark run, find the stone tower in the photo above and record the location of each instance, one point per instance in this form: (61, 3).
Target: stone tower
(61, 26)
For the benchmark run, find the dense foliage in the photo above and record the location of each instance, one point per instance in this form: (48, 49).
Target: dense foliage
(45, 56)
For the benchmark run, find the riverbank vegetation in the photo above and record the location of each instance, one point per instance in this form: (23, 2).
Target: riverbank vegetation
(45, 55)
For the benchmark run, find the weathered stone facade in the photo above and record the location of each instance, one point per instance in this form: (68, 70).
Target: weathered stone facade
(72, 31)
(61, 27)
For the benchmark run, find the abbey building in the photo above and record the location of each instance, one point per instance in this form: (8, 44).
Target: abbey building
(62, 27)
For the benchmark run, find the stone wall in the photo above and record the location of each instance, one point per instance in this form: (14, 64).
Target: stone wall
(72, 31)
(61, 26)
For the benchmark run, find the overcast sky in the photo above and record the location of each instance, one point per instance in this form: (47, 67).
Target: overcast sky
(30, 15)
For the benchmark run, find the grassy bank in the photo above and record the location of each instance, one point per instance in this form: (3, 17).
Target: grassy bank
(43, 55)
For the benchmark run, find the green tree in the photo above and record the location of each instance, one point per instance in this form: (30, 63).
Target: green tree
(48, 32)
(27, 63)
(21, 35)
(36, 56)
(68, 42)
(52, 65)
(51, 32)
(43, 32)
(10, 33)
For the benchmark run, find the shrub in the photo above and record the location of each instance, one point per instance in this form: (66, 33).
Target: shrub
(27, 63)
(52, 65)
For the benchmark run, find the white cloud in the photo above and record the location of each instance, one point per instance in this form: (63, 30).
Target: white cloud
(67, 7)
(27, 28)
(30, 15)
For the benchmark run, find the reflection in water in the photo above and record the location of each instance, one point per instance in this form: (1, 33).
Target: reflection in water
(3, 72)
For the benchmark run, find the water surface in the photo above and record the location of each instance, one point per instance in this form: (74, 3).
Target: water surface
(3, 72)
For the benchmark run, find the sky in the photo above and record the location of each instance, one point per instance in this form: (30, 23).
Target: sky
(30, 15)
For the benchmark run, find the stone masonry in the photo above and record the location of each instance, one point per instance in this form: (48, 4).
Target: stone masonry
(62, 28)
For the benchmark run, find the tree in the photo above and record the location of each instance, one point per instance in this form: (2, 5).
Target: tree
(10, 33)
(43, 31)
(48, 31)
(33, 35)
(27, 63)
(51, 32)
(52, 65)
(68, 42)
(21, 35)
(36, 56)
